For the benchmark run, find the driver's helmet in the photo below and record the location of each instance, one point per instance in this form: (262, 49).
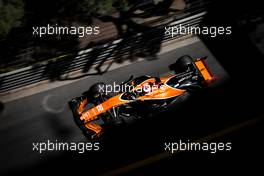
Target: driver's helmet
(129, 96)
(147, 87)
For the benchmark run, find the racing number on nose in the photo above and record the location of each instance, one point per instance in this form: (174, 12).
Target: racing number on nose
(100, 108)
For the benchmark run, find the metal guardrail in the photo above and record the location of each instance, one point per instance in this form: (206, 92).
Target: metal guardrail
(82, 60)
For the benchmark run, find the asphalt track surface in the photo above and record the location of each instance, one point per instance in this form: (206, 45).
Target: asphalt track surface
(45, 116)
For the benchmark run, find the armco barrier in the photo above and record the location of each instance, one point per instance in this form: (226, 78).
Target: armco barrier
(137, 44)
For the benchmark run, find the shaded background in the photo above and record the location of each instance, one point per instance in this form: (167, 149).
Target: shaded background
(232, 103)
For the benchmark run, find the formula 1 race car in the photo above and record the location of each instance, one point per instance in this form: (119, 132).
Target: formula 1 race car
(138, 97)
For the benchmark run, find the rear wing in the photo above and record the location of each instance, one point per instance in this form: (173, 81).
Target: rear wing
(204, 70)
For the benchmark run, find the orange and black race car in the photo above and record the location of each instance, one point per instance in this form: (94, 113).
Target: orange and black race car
(138, 97)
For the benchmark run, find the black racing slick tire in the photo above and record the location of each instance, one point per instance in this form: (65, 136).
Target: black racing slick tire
(95, 90)
(183, 63)
(98, 88)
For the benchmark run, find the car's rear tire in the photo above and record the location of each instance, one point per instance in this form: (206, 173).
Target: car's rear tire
(184, 63)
